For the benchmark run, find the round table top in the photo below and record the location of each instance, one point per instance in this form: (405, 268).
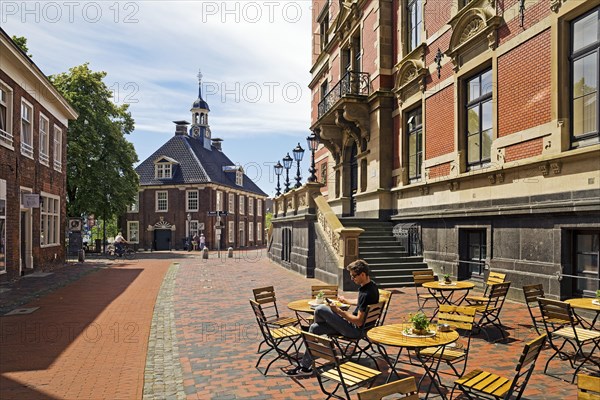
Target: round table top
(391, 335)
(301, 306)
(585, 303)
(455, 285)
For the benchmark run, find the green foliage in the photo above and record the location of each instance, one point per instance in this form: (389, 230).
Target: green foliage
(321, 294)
(101, 179)
(598, 293)
(419, 321)
(21, 42)
(268, 218)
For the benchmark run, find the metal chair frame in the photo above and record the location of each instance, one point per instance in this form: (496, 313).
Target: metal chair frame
(490, 311)
(493, 278)
(531, 294)
(265, 296)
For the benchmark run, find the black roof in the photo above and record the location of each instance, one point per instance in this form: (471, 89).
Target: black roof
(195, 164)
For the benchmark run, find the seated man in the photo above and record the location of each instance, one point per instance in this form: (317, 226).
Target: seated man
(331, 320)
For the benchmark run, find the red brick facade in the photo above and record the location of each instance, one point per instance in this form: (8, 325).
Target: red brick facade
(439, 117)
(439, 171)
(523, 150)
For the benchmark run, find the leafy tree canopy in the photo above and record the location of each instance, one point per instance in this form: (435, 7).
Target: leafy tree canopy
(21, 42)
(101, 179)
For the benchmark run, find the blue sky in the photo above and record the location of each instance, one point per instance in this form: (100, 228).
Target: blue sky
(254, 56)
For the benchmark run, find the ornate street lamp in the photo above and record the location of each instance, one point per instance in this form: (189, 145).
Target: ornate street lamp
(189, 240)
(278, 171)
(298, 154)
(287, 164)
(313, 143)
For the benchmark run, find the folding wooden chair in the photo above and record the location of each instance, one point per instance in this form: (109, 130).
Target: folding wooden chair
(405, 387)
(265, 296)
(276, 339)
(329, 366)
(531, 293)
(457, 353)
(589, 387)
(489, 385)
(386, 297)
(567, 333)
(423, 295)
(491, 308)
(493, 278)
(330, 291)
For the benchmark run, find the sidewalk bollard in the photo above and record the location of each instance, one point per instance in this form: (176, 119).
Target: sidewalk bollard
(81, 256)
(230, 252)
(205, 253)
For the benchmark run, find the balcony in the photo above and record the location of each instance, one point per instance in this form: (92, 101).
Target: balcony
(351, 84)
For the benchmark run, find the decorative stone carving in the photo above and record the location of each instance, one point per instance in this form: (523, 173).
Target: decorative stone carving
(410, 71)
(453, 186)
(555, 5)
(424, 190)
(302, 200)
(492, 179)
(500, 177)
(556, 167)
(162, 224)
(545, 169)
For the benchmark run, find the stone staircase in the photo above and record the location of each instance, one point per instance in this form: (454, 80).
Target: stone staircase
(390, 267)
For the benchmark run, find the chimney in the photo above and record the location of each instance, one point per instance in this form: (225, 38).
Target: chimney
(181, 127)
(216, 142)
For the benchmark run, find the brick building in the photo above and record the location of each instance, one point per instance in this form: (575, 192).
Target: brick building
(475, 124)
(33, 141)
(185, 179)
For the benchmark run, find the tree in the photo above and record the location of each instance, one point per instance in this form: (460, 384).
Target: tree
(21, 42)
(101, 179)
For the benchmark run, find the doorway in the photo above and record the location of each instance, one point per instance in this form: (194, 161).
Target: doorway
(162, 239)
(26, 252)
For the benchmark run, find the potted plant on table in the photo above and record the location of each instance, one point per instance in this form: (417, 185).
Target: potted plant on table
(420, 323)
(447, 278)
(320, 298)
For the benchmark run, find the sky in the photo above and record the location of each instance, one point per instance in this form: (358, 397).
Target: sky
(254, 57)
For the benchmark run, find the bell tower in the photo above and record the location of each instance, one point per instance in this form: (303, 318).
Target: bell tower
(200, 129)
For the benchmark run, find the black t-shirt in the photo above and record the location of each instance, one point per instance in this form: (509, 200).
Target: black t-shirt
(367, 294)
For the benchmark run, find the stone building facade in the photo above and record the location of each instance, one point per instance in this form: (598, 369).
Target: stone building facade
(33, 140)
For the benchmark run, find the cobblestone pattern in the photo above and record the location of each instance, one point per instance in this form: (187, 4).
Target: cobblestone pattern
(163, 378)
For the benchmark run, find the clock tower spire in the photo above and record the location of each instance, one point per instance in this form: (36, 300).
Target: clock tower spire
(200, 129)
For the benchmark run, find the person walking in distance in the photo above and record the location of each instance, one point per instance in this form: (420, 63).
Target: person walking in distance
(331, 320)
(202, 241)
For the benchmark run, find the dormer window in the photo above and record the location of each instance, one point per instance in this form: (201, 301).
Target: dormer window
(163, 168)
(239, 177)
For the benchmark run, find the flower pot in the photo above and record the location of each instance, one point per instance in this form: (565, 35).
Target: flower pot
(416, 331)
(319, 300)
(448, 280)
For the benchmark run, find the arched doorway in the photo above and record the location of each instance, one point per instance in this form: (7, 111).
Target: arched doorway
(353, 178)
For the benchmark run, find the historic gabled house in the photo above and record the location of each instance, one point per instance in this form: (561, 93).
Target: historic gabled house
(466, 132)
(185, 179)
(33, 140)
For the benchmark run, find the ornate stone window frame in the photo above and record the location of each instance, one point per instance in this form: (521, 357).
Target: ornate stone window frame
(410, 71)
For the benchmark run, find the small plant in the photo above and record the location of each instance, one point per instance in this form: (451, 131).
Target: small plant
(321, 294)
(598, 294)
(419, 322)
(447, 278)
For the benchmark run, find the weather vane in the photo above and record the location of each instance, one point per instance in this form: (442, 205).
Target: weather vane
(199, 76)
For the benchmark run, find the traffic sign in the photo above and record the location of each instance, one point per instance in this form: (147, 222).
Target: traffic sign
(212, 213)
(223, 213)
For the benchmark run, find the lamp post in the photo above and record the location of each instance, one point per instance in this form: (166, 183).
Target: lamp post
(287, 164)
(189, 234)
(313, 143)
(298, 154)
(278, 171)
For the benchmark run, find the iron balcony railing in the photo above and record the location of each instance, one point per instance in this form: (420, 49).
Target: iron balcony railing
(353, 83)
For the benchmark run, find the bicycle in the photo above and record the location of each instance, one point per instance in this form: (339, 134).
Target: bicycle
(126, 252)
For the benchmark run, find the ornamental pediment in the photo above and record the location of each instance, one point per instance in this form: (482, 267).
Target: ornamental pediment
(410, 77)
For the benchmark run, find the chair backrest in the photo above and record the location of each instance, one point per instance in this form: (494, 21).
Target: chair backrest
(386, 297)
(532, 292)
(458, 317)
(420, 277)
(526, 365)
(557, 311)
(330, 291)
(373, 315)
(493, 278)
(320, 348)
(589, 387)
(265, 296)
(406, 387)
(498, 292)
(261, 320)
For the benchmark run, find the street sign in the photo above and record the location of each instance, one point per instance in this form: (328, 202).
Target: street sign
(223, 213)
(212, 213)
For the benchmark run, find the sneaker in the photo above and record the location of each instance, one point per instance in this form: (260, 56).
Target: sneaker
(299, 371)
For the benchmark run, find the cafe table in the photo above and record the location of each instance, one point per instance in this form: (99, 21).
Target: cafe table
(585, 304)
(400, 336)
(447, 291)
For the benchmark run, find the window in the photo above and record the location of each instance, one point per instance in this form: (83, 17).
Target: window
(473, 253)
(586, 252)
(57, 149)
(50, 220)
(479, 118)
(413, 24)
(242, 205)
(242, 239)
(286, 244)
(585, 53)
(250, 206)
(324, 89)
(192, 200)
(219, 195)
(239, 177)
(44, 140)
(231, 205)
(259, 207)
(231, 231)
(2, 226)
(258, 232)
(6, 136)
(26, 129)
(163, 170)
(324, 173)
(324, 28)
(414, 132)
(135, 207)
(250, 231)
(133, 231)
(162, 201)
(194, 228)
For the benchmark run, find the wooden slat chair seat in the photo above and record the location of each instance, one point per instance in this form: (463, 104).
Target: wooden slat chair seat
(568, 335)
(329, 367)
(276, 339)
(265, 296)
(423, 295)
(455, 354)
(589, 387)
(493, 278)
(405, 387)
(479, 382)
(491, 309)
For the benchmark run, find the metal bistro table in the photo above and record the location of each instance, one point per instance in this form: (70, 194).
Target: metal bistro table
(585, 304)
(396, 335)
(447, 291)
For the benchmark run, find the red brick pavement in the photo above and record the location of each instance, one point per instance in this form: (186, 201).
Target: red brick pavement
(88, 340)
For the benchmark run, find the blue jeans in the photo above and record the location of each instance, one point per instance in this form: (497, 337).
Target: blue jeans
(327, 322)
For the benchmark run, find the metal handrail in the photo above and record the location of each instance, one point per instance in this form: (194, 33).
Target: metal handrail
(353, 82)
(560, 275)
